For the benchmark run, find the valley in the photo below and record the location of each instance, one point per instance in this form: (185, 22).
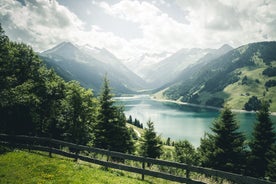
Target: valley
(183, 93)
(206, 77)
(160, 88)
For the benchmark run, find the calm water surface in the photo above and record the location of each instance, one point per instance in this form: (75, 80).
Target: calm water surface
(179, 121)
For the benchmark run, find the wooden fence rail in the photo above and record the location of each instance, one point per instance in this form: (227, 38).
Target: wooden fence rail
(53, 146)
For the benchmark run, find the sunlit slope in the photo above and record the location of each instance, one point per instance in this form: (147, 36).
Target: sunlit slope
(231, 79)
(240, 93)
(24, 167)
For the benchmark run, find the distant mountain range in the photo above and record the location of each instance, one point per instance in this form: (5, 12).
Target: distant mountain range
(170, 68)
(232, 78)
(144, 63)
(89, 66)
(211, 77)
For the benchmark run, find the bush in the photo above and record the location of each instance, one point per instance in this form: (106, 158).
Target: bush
(270, 72)
(215, 101)
(270, 83)
(253, 104)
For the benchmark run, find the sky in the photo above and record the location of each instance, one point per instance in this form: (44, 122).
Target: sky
(131, 28)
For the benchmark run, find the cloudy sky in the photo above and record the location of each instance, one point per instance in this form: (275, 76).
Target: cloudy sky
(129, 28)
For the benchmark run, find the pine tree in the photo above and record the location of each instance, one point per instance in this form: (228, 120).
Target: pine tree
(110, 132)
(103, 125)
(262, 143)
(227, 144)
(271, 167)
(185, 153)
(206, 150)
(151, 143)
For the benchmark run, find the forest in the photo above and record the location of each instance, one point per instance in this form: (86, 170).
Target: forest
(34, 100)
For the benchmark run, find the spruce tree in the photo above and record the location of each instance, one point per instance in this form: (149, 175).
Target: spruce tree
(110, 131)
(271, 167)
(206, 150)
(226, 144)
(185, 153)
(151, 143)
(262, 143)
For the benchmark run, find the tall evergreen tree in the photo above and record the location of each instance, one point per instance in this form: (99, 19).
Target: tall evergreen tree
(206, 150)
(110, 131)
(262, 143)
(227, 144)
(151, 143)
(271, 167)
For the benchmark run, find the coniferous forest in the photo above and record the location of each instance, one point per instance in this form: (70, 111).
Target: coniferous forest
(34, 100)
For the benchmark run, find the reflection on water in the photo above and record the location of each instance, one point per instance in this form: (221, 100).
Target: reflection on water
(179, 121)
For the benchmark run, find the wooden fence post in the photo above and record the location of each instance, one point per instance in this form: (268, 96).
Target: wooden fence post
(50, 145)
(143, 167)
(50, 152)
(187, 173)
(76, 156)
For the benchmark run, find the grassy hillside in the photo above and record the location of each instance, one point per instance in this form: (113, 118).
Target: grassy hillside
(231, 79)
(239, 94)
(24, 167)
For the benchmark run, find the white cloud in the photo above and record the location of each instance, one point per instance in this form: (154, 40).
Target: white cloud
(160, 32)
(234, 21)
(209, 23)
(43, 25)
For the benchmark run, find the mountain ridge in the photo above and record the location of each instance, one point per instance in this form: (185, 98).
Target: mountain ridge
(222, 80)
(171, 67)
(89, 68)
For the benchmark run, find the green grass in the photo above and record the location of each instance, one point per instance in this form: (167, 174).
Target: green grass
(24, 167)
(237, 92)
(140, 130)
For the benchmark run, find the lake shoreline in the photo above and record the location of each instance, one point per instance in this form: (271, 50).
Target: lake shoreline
(187, 121)
(155, 98)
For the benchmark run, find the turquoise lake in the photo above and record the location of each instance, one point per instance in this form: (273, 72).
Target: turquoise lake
(180, 121)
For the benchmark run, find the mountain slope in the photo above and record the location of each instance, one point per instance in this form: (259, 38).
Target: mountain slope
(88, 66)
(143, 64)
(168, 69)
(165, 70)
(232, 78)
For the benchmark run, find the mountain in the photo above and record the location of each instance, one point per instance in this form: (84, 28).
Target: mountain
(169, 69)
(89, 65)
(143, 63)
(165, 71)
(232, 78)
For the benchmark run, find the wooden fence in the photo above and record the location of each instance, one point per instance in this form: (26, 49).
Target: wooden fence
(57, 147)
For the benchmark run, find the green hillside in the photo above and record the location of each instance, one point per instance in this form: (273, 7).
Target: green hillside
(233, 78)
(23, 167)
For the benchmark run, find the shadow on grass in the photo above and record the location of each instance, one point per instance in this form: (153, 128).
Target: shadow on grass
(5, 149)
